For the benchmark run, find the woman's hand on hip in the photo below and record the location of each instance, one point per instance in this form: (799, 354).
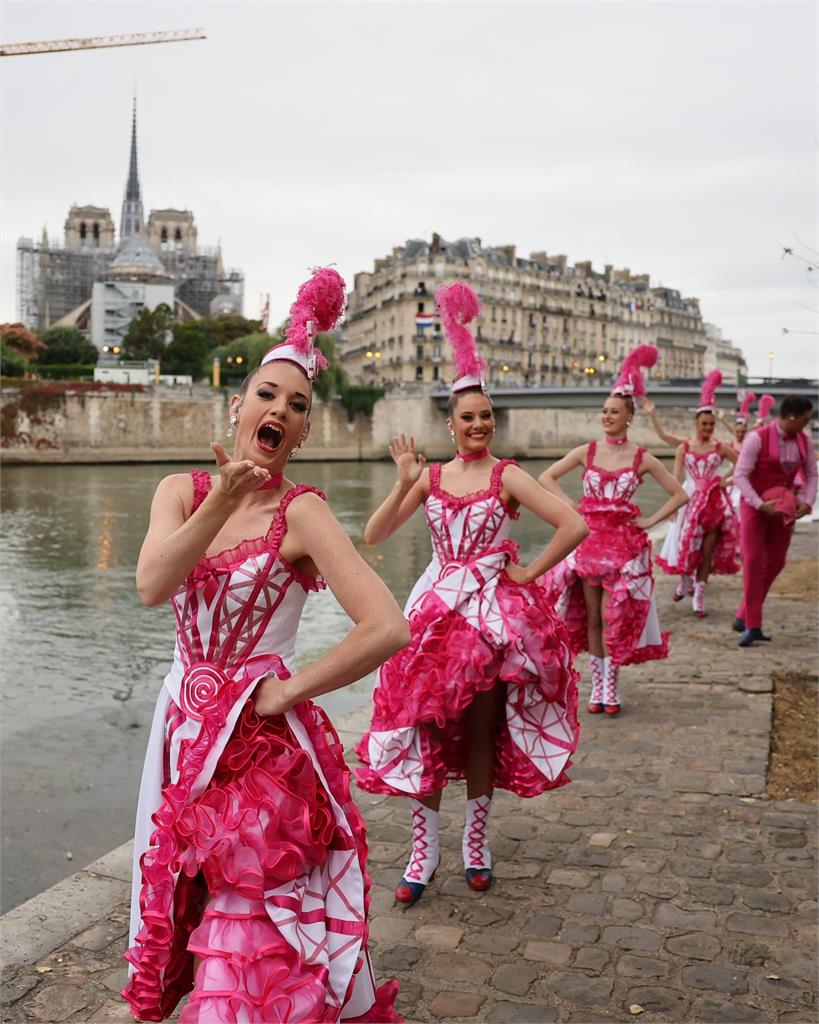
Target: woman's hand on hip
(271, 697)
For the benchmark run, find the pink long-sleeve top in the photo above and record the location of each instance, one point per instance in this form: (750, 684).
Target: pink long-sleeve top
(789, 456)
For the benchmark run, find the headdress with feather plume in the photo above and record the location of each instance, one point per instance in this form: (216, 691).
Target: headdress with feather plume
(708, 391)
(318, 307)
(748, 400)
(766, 403)
(458, 306)
(630, 381)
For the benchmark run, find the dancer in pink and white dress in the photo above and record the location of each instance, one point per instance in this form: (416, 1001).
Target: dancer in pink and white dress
(486, 689)
(250, 879)
(739, 431)
(604, 590)
(704, 537)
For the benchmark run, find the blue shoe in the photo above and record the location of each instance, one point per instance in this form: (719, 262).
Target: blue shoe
(738, 625)
(750, 636)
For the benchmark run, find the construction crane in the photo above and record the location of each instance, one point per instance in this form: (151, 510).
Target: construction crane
(181, 35)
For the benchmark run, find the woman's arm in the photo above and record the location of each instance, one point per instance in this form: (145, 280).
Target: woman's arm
(651, 409)
(672, 487)
(679, 462)
(729, 453)
(175, 542)
(569, 526)
(409, 491)
(549, 477)
(379, 627)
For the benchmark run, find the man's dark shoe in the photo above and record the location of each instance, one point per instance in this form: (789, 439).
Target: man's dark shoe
(750, 636)
(738, 625)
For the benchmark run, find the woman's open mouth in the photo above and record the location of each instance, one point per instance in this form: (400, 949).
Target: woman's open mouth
(269, 437)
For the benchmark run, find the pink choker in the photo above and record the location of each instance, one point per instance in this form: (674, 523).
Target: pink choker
(472, 456)
(274, 481)
(615, 440)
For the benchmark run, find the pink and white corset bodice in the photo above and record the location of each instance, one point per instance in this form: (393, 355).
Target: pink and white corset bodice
(236, 615)
(701, 468)
(464, 529)
(609, 492)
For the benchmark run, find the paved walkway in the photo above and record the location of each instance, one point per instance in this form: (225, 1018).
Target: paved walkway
(661, 885)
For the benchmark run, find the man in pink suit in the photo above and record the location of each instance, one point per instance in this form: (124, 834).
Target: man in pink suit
(765, 476)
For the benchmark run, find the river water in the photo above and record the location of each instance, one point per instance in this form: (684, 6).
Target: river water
(83, 660)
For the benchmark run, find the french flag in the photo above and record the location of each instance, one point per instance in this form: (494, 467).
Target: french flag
(423, 320)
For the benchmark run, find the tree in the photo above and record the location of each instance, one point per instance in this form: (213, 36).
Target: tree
(147, 333)
(332, 381)
(12, 363)
(188, 349)
(229, 326)
(23, 341)
(67, 345)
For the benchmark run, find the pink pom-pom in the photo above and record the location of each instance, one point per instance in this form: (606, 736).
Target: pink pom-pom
(458, 306)
(745, 407)
(630, 380)
(766, 403)
(320, 299)
(709, 389)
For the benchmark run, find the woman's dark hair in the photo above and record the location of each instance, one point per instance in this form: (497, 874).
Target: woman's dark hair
(453, 399)
(704, 412)
(626, 399)
(795, 405)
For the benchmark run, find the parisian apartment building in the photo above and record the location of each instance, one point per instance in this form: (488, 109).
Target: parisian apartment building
(543, 321)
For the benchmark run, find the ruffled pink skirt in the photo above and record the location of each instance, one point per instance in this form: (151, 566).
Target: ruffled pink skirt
(428, 686)
(616, 555)
(709, 508)
(264, 820)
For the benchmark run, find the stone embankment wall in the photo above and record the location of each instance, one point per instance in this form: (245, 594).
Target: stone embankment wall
(175, 424)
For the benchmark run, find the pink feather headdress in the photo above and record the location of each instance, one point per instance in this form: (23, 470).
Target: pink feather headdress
(748, 400)
(318, 307)
(458, 306)
(630, 381)
(766, 403)
(709, 391)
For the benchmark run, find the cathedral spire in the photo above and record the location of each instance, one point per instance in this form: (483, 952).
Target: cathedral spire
(133, 218)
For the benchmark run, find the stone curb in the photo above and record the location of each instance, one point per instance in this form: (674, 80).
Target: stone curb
(48, 920)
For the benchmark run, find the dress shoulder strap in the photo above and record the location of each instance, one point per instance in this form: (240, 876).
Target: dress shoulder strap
(294, 492)
(496, 484)
(279, 525)
(201, 487)
(434, 475)
(638, 458)
(686, 447)
(590, 454)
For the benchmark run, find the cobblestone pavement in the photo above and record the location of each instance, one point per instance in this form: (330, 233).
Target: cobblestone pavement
(660, 885)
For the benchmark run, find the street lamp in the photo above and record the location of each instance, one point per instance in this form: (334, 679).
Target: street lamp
(373, 355)
(771, 356)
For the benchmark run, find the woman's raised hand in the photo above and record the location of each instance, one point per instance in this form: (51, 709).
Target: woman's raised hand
(647, 404)
(410, 464)
(237, 478)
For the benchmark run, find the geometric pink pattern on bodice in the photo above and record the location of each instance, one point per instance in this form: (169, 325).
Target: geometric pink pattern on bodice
(618, 486)
(462, 529)
(704, 466)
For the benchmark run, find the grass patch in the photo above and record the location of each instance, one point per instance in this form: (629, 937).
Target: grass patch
(792, 771)
(799, 580)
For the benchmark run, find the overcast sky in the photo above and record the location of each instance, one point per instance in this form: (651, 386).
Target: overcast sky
(678, 139)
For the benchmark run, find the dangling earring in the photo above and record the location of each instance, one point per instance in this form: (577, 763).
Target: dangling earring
(231, 430)
(294, 453)
(452, 435)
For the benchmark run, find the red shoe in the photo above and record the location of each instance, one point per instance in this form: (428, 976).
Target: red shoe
(410, 892)
(612, 709)
(478, 879)
(595, 709)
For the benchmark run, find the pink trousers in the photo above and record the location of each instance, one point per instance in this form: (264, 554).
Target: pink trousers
(764, 542)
